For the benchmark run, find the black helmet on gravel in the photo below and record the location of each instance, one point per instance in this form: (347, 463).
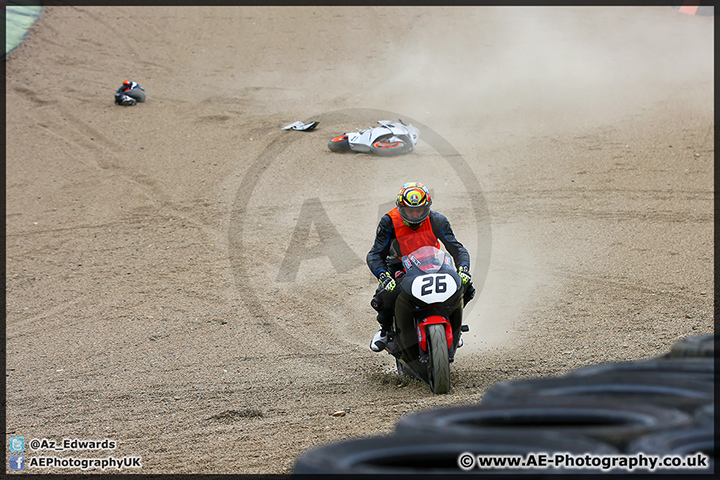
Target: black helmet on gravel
(129, 93)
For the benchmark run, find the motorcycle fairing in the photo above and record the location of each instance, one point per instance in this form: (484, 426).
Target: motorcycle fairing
(362, 139)
(434, 287)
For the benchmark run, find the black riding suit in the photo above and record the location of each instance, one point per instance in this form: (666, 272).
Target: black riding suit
(384, 256)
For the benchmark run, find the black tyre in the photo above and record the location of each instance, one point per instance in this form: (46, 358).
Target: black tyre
(705, 415)
(384, 147)
(437, 453)
(400, 368)
(614, 422)
(339, 144)
(439, 362)
(697, 346)
(697, 368)
(664, 389)
(686, 443)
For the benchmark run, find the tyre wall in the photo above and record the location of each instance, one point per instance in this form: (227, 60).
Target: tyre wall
(661, 406)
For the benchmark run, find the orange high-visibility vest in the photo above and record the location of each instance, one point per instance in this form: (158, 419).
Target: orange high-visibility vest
(410, 240)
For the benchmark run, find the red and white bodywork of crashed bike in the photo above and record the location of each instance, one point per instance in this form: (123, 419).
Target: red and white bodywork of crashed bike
(390, 138)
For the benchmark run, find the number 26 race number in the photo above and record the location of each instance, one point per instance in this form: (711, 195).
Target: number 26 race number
(434, 288)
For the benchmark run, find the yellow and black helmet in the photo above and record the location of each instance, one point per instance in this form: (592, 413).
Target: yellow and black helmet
(413, 202)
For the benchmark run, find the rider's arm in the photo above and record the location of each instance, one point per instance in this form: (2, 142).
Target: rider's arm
(376, 257)
(442, 230)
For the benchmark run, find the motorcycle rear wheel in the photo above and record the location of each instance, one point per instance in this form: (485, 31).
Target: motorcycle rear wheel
(400, 367)
(438, 363)
(339, 144)
(383, 147)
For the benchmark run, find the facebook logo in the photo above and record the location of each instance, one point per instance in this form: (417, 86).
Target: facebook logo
(17, 444)
(17, 462)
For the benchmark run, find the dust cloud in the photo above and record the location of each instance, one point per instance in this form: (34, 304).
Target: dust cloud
(538, 71)
(567, 67)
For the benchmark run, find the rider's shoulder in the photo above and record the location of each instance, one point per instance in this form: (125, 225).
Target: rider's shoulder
(385, 224)
(386, 219)
(437, 216)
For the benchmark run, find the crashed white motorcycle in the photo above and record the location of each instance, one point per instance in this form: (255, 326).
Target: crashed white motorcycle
(390, 138)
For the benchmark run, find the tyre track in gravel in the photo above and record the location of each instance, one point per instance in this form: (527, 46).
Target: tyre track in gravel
(268, 320)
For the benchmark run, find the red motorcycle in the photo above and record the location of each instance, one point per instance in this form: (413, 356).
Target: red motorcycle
(424, 343)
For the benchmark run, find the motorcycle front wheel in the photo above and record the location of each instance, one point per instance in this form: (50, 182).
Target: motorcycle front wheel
(339, 144)
(438, 363)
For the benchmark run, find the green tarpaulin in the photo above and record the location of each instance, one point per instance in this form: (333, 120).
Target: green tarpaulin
(19, 17)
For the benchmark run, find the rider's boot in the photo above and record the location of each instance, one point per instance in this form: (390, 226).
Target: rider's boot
(379, 341)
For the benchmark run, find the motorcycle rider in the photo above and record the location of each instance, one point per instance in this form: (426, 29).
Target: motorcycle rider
(401, 231)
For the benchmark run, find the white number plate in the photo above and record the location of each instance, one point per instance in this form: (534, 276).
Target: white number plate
(434, 287)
